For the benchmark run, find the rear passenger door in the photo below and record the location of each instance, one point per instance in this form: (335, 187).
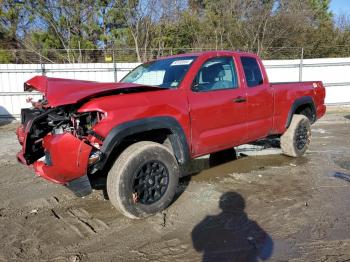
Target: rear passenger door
(260, 103)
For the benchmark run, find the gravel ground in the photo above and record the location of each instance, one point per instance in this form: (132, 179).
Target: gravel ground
(261, 206)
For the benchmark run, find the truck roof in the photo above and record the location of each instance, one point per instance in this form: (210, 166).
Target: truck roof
(206, 53)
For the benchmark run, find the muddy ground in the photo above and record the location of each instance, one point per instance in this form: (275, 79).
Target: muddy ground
(261, 206)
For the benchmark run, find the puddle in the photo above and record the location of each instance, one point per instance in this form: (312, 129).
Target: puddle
(245, 165)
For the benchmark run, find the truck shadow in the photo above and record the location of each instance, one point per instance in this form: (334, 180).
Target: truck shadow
(270, 142)
(197, 165)
(231, 235)
(99, 182)
(228, 155)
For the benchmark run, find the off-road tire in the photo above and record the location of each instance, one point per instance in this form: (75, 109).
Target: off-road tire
(299, 129)
(121, 177)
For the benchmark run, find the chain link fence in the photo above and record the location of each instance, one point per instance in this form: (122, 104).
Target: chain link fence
(17, 66)
(70, 56)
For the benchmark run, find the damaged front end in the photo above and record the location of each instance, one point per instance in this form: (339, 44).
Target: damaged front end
(60, 144)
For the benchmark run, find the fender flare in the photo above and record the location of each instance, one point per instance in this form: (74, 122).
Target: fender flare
(305, 100)
(120, 132)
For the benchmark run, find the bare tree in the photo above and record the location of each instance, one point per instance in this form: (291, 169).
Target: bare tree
(139, 17)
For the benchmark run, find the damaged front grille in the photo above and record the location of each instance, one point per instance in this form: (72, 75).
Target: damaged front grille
(38, 122)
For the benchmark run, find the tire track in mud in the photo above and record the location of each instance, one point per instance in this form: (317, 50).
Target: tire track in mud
(86, 219)
(139, 240)
(37, 231)
(166, 250)
(79, 220)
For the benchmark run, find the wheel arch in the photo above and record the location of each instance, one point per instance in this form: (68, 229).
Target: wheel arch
(152, 129)
(299, 106)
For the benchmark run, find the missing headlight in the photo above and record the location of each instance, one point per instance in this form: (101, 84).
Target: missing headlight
(84, 122)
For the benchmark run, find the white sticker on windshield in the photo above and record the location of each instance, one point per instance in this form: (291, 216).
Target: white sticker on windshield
(181, 62)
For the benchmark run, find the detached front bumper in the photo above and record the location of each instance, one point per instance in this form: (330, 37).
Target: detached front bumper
(66, 158)
(65, 162)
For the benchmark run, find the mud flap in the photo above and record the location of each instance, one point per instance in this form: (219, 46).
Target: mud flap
(80, 187)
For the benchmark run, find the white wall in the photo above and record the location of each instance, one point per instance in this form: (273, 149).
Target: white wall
(12, 77)
(334, 72)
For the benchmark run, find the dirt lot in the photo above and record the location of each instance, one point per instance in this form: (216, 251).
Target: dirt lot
(261, 206)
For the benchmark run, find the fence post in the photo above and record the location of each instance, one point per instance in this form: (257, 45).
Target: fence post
(43, 72)
(115, 67)
(301, 65)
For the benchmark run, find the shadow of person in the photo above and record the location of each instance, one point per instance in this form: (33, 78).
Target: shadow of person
(231, 235)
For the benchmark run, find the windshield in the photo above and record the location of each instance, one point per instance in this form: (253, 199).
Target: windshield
(166, 73)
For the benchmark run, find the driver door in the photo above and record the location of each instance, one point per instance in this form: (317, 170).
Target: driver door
(217, 107)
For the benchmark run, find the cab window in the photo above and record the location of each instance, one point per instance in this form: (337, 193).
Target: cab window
(216, 74)
(252, 71)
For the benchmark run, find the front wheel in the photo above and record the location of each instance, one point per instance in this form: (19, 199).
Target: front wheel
(296, 140)
(143, 180)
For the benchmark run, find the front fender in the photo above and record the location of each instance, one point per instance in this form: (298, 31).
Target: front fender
(120, 132)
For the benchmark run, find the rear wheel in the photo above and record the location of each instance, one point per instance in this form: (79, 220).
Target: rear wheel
(295, 141)
(143, 180)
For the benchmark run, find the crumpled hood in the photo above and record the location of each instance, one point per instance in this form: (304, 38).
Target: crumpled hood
(59, 91)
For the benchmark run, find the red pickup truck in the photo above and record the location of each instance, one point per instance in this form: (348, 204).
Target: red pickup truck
(143, 130)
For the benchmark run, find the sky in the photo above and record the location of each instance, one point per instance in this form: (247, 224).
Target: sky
(339, 7)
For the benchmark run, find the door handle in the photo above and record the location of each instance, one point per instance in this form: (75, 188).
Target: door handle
(239, 99)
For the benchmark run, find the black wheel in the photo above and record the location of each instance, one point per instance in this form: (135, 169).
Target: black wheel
(143, 180)
(295, 141)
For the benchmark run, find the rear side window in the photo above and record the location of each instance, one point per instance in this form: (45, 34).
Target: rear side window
(252, 71)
